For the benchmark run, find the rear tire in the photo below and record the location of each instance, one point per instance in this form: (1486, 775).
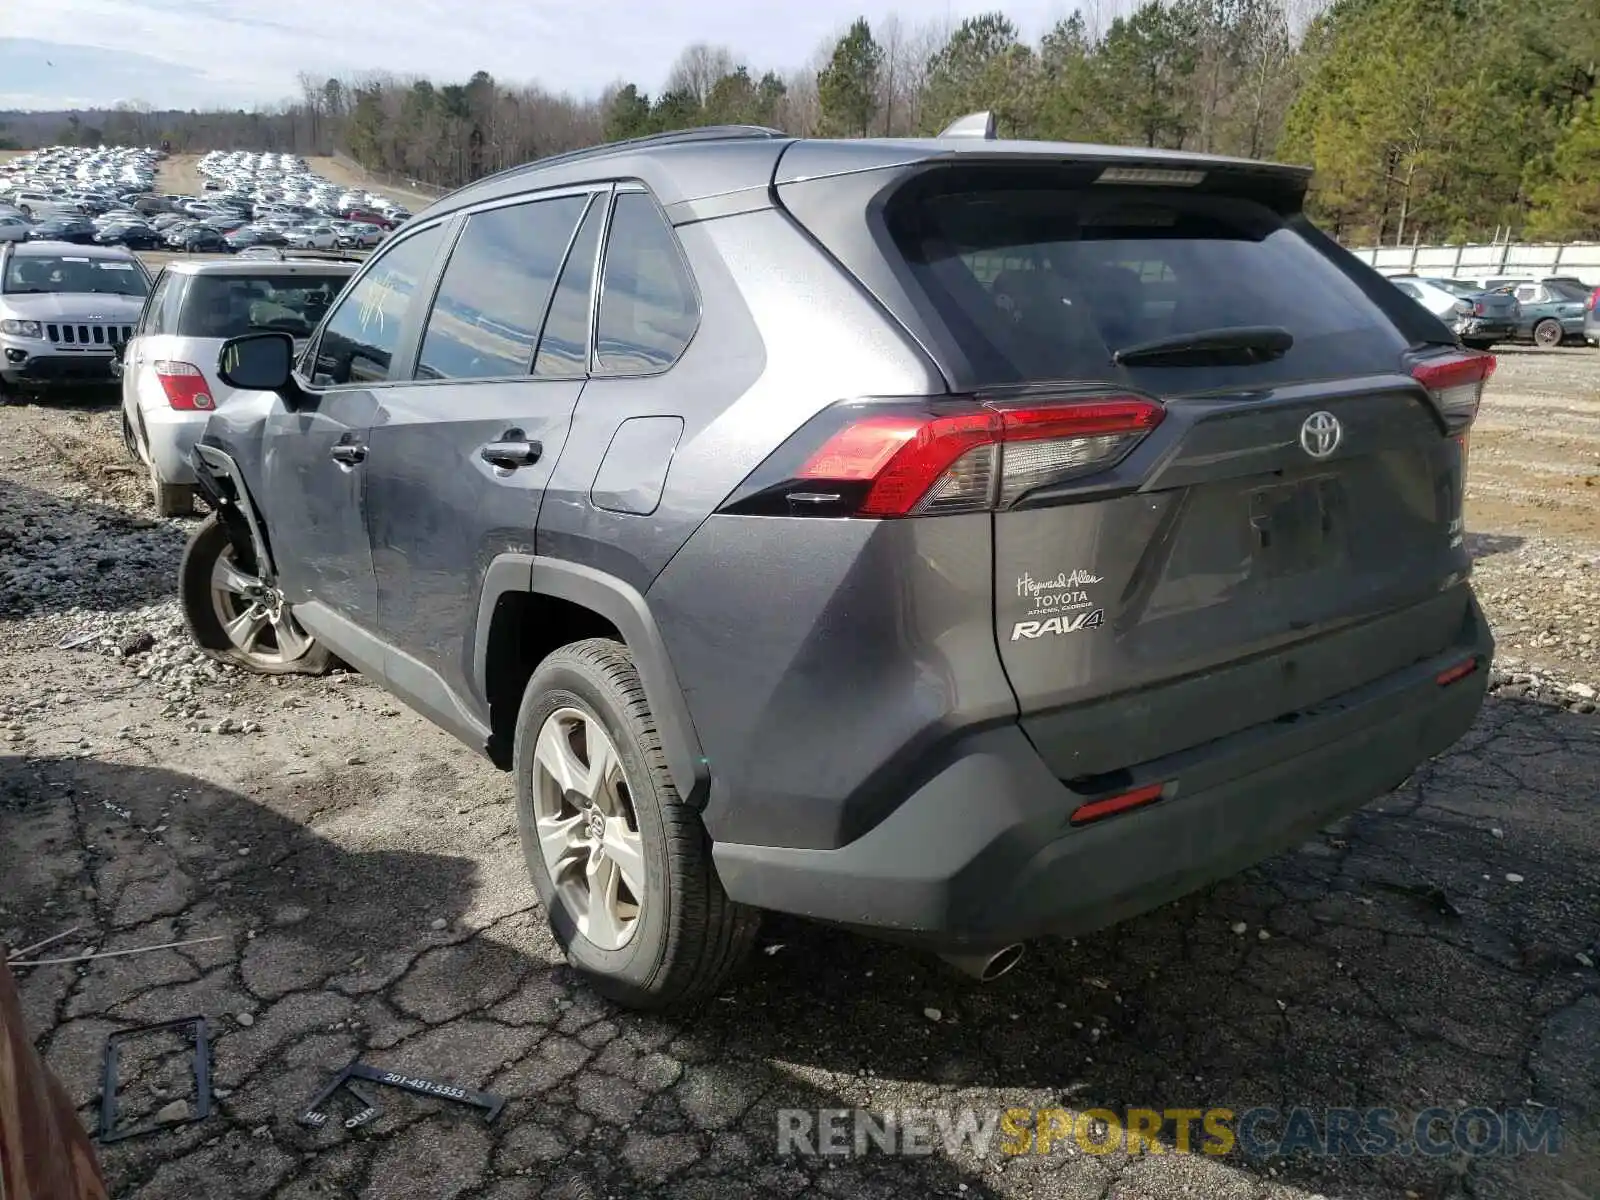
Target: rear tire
(668, 938)
(209, 612)
(1547, 333)
(130, 441)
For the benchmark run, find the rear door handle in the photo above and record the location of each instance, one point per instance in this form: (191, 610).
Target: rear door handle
(348, 453)
(512, 454)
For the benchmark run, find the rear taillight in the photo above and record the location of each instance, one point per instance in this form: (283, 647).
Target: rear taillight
(1593, 301)
(1456, 382)
(933, 457)
(185, 386)
(1477, 308)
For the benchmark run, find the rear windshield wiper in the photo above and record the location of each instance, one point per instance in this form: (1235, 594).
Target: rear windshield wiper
(1237, 345)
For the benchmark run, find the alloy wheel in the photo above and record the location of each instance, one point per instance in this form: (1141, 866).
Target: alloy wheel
(254, 616)
(587, 829)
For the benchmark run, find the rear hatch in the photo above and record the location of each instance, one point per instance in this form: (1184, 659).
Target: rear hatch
(1496, 306)
(214, 307)
(1221, 493)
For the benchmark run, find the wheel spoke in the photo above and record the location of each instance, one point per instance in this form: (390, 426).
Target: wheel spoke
(245, 629)
(603, 762)
(231, 579)
(625, 848)
(557, 841)
(602, 925)
(554, 753)
(292, 641)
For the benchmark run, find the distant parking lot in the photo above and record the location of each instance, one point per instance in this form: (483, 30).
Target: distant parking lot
(228, 202)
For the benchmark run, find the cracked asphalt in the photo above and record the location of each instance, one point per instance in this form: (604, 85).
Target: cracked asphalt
(362, 872)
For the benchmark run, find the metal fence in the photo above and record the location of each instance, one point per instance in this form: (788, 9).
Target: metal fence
(1580, 259)
(388, 179)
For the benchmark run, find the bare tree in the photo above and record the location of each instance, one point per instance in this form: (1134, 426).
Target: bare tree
(698, 68)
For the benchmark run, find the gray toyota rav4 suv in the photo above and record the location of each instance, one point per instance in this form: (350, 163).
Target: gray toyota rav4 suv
(958, 540)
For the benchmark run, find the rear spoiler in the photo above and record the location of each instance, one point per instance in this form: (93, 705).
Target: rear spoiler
(1283, 186)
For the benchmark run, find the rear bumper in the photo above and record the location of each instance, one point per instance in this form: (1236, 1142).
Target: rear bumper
(983, 854)
(170, 436)
(1478, 327)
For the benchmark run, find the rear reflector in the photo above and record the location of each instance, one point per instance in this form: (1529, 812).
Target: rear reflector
(184, 384)
(1094, 810)
(1456, 381)
(924, 458)
(1456, 673)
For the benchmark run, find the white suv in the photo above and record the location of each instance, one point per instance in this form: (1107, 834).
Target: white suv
(169, 368)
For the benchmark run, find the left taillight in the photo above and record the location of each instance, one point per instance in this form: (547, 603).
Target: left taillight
(890, 459)
(1456, 382)
(184, 384)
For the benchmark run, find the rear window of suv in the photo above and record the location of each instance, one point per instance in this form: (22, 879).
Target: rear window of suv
(1039, 279)
(225, 306)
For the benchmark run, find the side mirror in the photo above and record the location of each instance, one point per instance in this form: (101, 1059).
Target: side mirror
(257, 362)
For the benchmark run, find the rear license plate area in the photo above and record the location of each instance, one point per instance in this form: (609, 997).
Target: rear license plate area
(1298, 527)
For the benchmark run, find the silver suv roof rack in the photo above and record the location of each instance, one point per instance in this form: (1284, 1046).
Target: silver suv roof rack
(973, 125)
(703, 133)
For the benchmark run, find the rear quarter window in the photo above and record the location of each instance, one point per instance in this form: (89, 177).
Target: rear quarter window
(1039, 281)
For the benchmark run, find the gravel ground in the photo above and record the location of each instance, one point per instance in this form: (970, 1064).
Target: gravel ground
(362, 872)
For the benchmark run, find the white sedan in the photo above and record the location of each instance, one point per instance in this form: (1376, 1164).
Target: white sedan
(313, 237)
(14, 228)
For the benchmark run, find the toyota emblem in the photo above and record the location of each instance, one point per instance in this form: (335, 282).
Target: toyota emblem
(1321, 434)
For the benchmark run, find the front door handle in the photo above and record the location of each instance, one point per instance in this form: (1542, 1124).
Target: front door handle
(512, 453)
(348, 453)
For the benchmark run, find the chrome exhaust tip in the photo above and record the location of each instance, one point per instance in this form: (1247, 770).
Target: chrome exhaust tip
(987, 967)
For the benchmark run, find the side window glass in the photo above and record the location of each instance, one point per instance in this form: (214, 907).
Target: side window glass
(648, 310)
(564, 344)
(361, 333)
(492, 299)
(150, 315)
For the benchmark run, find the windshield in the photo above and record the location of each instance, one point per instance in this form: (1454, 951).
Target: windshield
(1455, 287)
(1049, 282)
(225, 306)
(74, 274)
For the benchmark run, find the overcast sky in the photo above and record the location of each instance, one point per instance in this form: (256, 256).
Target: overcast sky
(241, 53)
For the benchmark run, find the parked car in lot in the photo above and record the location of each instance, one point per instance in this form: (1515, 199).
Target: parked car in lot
(761, 542)
(78, 229)
(14, 228)
(199, 239)
(63, 309)
(135, 235)
(1552, 311)
(1479, 318)
(313, 237)
(243, 239)
(169, 367)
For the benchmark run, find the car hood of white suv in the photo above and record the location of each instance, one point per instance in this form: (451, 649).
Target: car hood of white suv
(71, 306)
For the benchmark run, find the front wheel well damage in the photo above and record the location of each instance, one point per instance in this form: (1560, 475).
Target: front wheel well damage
(524, 628)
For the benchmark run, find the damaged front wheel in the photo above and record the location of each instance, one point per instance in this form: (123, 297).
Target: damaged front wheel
(239, 617)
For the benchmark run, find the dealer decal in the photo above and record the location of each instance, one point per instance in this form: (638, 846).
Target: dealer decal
(1058, 604)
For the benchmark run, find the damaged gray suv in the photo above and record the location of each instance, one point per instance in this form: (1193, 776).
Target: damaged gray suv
(957, 540)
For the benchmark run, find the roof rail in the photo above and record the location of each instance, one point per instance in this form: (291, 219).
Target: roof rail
(701, 133)
(973, 125)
